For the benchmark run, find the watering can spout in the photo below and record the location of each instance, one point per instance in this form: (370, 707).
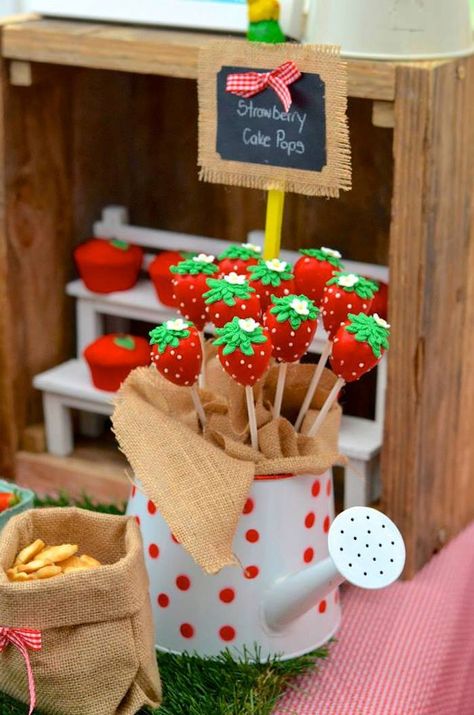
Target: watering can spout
(365, 548)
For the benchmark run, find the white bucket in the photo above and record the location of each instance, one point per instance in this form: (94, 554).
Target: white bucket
(283, 530)
(392, 29)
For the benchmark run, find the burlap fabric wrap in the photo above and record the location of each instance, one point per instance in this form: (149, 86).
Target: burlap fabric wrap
(200, 482)
(98, 653)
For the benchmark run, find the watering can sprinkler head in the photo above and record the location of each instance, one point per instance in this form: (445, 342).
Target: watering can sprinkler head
(365, 548)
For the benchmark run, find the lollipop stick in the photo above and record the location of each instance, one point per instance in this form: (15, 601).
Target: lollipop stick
(252, 416)
(331, 398)
(198, 406)
(313, 384)
(280, 388)
(202, 375)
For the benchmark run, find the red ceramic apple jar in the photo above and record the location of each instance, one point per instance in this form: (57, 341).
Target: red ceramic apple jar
(108, 266)
(162, 278)
(111, 357)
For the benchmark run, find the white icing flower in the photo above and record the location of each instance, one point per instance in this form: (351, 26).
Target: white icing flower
(331, 252)
(248, 324)
(380, 321)
(234, 278)
(252, 247)
(204, 258)
(348, 281)
(178, 324)
(300, 306)
(276, 265)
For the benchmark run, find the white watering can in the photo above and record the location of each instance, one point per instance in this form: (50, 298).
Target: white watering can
(284, 599)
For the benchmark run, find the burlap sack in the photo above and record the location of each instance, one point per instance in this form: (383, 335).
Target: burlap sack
(97, 655)
(200, 481)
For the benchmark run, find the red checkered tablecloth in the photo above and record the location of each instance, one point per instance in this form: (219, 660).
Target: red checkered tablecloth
(407, 650)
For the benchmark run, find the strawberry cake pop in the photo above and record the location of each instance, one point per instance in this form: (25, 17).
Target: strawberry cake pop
(345, 293)
(244, 352)
(190, 284)
(359, 344)
(237, 258)
(177, 355)
(312, 271)
(272, 277)
(231, 296)
(291, 322)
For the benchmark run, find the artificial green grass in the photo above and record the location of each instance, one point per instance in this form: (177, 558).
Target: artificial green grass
(206, 686)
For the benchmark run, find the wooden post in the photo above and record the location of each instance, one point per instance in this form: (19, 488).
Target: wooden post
(428, 457)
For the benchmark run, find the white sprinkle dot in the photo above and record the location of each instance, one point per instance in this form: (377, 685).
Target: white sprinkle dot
(308, 329)
(262, 352)
(336, 340)
(191, 287)
(330, 290)
(364, 305)
(172, 352)
(177, 375)
(244, 307)
(179, 357)
(354, 374)
(292, 333)
(193, 344)
(252, 377)
(250, 366)
(218, 315)
(194, 300)
(306, 260)
(342, 362)
(242, 362)
(286, 291)
(325, 312)
(274, 330)
(338, 295)
(166, 369)
(278, 350)
(290, 345)
(181, 305)
(234, 376)
(296, 356)
(331, 312)
(326, 299)
(227, 363)
(361, 364)
(349, 305)
(203, 316)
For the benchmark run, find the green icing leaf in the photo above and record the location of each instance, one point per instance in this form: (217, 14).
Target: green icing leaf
(190, 267)
(163, 336)
(366, 330)
(283, 310)
(125, 341)
(261, 272)
(222, 290)
(121, 245)
(322, 256)
(243, 252)
(364, 287)
(232, 336)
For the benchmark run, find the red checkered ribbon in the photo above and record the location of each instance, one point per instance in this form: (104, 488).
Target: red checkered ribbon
(247, 84)
(24, 639)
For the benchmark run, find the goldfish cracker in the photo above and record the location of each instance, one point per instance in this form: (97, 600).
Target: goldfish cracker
(29, 552)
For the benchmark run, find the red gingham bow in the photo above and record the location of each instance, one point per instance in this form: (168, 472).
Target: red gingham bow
(23, 639)
(247, 84)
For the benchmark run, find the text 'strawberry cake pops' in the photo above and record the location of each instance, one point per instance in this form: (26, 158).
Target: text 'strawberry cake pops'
(108, 266)
(231, 296)
(345, 293)
(313, 270)
(189, 285)
(272, 277)
(162, 279)
(111, 357)
(291, 322)
(237, 259)
(244, 352)
(358, 346)
(177, 355)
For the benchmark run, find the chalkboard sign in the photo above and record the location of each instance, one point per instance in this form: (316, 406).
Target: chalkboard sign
(259, 131)
(253, 141)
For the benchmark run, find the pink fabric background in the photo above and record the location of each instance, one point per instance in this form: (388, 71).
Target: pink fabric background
(406, 650)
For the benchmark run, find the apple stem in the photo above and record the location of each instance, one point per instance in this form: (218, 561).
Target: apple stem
(313, 384)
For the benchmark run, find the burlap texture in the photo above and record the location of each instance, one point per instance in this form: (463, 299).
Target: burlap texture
(200, 482)
(98, 653)
(323, 60)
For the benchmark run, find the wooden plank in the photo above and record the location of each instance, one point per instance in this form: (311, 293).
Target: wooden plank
(151, 51)
(97, 471)
(429, 450)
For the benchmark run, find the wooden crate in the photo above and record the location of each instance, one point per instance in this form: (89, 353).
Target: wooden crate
(93, 114)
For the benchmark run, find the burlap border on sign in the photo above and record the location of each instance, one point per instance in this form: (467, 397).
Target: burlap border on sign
(323, 60)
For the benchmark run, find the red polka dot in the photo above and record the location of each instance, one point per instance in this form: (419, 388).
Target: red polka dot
(183, 582)
(252, 535)
(310, 519)
(151, 507)
(186, 630)
(328, 488)
(326, 524)
(227, 595)
(227, 633)
(248, 508)
(173, 538)
(137, 519)
(163, 600)
(322, 606)
(308, 555)
(251, 572)
(316, 488)
(154, 551)
(134, 491)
